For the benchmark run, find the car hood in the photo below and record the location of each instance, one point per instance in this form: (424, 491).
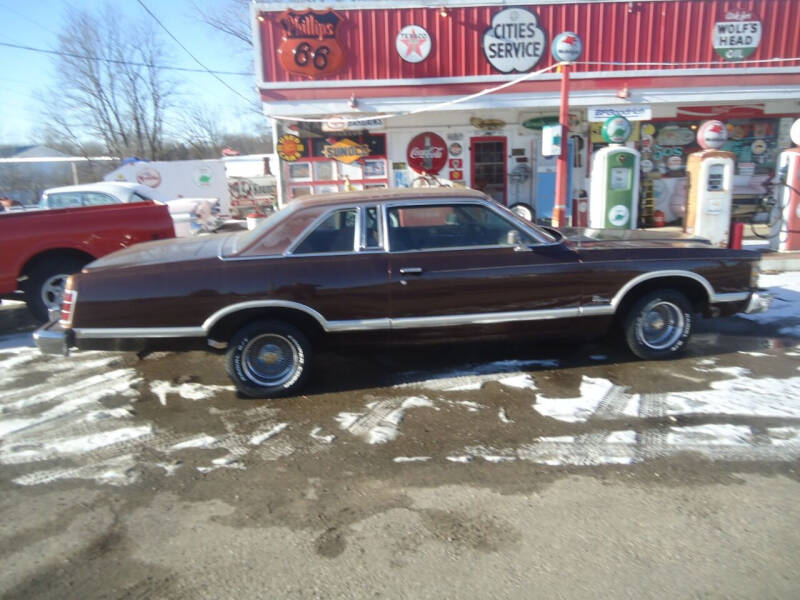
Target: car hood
(162, 251)
(581, 239)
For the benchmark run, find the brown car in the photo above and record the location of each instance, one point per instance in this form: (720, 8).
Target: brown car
(394, 266)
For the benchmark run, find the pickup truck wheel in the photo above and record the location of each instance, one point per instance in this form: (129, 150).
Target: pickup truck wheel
(658, 325)
(268, 359)
(45, 285)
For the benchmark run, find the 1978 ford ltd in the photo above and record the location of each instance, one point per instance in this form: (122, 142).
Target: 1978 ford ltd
(395, 266)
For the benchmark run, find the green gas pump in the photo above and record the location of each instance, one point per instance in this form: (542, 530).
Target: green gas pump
(614, 198)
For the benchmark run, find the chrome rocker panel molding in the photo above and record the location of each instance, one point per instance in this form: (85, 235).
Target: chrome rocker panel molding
(412, 322)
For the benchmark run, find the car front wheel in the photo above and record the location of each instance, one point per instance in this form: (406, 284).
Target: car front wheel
(268, 359)
(658, 325)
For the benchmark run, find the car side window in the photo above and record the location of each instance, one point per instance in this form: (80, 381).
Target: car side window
(336, 233)
(372, 230)
(64, 200)
(451, 226)
(98, 199)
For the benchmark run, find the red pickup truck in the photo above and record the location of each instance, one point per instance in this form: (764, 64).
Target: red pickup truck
(41, 248)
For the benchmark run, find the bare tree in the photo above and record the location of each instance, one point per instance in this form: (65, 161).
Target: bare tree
(231, 18)
(110, 88)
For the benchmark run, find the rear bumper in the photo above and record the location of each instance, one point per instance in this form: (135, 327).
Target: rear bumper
(51, 338)
(758, 302)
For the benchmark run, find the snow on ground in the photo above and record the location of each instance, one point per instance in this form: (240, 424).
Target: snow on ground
(75, 417)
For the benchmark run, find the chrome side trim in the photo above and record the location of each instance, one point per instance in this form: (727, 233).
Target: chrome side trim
(501, 317)
(730, 297)
(357, 325)
(615, 301)
(212, 320)
(138, 332)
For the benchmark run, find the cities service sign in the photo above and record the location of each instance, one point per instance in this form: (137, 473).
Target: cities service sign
(514, 41)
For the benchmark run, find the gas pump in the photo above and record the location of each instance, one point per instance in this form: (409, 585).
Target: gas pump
(787, 191)
(710, 172)
(614, 198)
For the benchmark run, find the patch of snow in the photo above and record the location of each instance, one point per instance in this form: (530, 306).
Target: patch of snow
(463, 458)
(753, 353)
(187, 391)
(784, 436)
(16, 454)
(501, 414)
(379, 424)
(201, 441)
(316, 434)
(744, 396)
(408, 459)
(576, 410)
(473, 377)
(120, 470)
(712, 434)
(522, 381)
(263, 437)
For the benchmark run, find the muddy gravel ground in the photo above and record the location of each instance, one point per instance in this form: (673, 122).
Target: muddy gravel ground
(480, 471)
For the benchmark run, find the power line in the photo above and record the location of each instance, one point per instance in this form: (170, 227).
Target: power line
(118, 61)
(194, 58)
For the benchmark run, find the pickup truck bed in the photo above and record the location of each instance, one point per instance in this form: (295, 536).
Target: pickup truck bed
(41, 248)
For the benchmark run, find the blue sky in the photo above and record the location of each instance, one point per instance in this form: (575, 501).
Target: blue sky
(26, 76)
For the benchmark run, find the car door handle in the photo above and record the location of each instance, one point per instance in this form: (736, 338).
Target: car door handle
(410, 270)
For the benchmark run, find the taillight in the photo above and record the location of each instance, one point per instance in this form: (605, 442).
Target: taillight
(68, 306)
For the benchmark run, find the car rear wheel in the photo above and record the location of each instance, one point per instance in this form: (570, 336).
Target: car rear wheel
(658, 325)
(268, 359)
(44, 288)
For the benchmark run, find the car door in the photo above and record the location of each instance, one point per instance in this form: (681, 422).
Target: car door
(465, 262)
(340, 269)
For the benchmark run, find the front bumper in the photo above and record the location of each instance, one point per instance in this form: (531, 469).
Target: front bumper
(51, 338)
(758, 302)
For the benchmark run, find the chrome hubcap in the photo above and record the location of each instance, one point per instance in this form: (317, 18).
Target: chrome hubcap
(270, 359)
(661, 325)
(53, 290)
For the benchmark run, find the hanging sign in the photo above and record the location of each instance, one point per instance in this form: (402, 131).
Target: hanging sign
(427, 153)
(487, 124)
(632, 112)
(413, 44)
(290, 148)
(338, 123)
(309, 46)
(567, 47)
(738, 36)
(346, 151)
(456, 149)
(514, 41)
(539, 122)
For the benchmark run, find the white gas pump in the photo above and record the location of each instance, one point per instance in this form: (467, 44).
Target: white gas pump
(614, 198)
(786, 238)
(710, 171)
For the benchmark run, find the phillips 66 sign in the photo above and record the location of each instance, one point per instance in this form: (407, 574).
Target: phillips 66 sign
(309, 46)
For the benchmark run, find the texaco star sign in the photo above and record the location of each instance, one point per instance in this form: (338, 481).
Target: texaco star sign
(413, 44)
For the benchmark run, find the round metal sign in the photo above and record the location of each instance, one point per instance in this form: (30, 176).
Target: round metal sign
(427, 153)
(413, 44)
(794, 132)
(712, 135)
(567, 47)
(616, 130)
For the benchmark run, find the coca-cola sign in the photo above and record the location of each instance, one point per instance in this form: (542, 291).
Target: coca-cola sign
(427, 153)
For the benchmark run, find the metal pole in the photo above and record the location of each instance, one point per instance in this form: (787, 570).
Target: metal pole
(562, 183)
(74, 174)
